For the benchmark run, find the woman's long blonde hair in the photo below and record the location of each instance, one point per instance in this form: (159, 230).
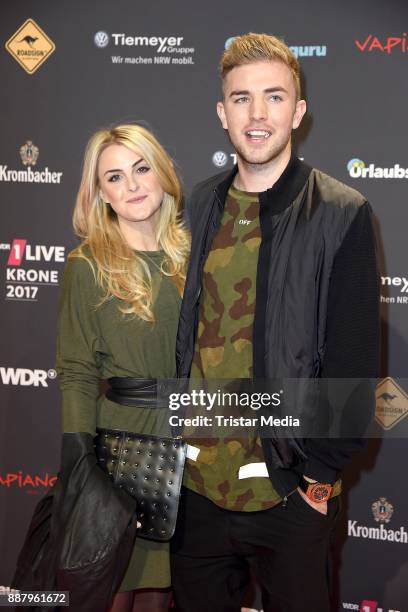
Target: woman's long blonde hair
(119, 270)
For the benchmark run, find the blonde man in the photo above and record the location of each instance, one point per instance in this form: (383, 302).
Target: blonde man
(282, 283)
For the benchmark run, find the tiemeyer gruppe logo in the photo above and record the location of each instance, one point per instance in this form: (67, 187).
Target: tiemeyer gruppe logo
(382, 512)
(221, 159)
(357, 168)
(23, 278)
(297, 50)
(145, 49)
(397, 285)
(29, 154)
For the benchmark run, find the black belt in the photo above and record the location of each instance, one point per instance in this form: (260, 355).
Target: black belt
(133, 391)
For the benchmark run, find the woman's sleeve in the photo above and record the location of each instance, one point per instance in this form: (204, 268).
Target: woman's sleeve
(77, 344)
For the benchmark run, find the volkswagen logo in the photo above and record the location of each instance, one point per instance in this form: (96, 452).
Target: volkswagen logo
(219, 159)
(101, 39)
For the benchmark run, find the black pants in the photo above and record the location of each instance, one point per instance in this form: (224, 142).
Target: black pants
(214, 551)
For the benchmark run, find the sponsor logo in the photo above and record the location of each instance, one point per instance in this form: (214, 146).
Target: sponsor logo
(391, 403)
(297, 50)
(382, 512)
(153, 50)
(220, 159)
(365, 606)
(31, 483)
(309, 51)
(233, 157)
(101, 39)
(377, 533)
(23, 278)
(395, 281)
(30, 46)
(22, 377)
(359, 169)
(391, 44)
(29, 153)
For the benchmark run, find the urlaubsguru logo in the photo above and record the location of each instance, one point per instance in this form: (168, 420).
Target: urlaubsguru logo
(297, 50)
(357, 168)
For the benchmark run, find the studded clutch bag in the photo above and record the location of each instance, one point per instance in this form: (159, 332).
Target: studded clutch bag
(150, 469)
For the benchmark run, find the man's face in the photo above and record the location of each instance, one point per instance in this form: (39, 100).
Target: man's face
(260, 110)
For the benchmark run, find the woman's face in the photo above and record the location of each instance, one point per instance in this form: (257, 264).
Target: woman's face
(130, 186)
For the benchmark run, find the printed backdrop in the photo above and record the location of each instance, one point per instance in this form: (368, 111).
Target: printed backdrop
(67, 70)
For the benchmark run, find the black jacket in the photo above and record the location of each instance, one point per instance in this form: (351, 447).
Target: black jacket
(81, 535)
(317, 299)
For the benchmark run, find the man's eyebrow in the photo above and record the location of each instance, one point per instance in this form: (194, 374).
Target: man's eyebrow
(236, 92)
(120, 169)
(245, 92)
(274, 89)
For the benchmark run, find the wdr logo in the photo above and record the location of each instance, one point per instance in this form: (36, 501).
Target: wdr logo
(22, 377)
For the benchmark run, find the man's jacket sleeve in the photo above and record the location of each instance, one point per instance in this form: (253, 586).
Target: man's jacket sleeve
(352, 344)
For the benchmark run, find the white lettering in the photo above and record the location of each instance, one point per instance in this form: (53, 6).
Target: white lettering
(28, 176)
(32, 276)
(23, 377)
(377, 533)
(42, 252)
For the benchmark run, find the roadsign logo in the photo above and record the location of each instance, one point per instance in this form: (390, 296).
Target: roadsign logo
(30, 46)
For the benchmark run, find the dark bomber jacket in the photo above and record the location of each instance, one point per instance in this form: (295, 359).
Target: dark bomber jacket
(317, 299)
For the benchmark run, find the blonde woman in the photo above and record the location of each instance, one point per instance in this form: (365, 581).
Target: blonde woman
(119, 309)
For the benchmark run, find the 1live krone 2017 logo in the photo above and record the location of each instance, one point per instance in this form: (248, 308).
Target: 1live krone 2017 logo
(24, 278)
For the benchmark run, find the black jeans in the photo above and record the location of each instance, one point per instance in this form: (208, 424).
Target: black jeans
(214, 551)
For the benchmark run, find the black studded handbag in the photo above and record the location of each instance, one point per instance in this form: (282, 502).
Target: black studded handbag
(150, 469)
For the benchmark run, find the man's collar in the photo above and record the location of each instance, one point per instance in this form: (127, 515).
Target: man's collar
(283, 192)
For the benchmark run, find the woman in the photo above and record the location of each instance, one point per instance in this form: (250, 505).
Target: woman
(119, 308)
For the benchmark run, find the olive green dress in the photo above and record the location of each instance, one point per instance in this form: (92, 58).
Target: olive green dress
(97, 342)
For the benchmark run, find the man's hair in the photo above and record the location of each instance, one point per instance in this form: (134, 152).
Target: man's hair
(252, 47)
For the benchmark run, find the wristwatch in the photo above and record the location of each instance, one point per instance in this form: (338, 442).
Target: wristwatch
(316, 491)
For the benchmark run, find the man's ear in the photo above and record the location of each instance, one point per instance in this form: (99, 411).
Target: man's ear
(299, 112)
(221, 115)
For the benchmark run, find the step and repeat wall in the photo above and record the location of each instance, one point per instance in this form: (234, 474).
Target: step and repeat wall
(68, 69)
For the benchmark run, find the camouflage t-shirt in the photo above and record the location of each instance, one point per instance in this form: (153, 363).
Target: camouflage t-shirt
(224, 350)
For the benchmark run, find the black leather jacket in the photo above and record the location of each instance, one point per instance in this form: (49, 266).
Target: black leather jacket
(81, 535)
(317, 298)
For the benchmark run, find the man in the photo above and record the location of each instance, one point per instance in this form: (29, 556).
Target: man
(282, 283)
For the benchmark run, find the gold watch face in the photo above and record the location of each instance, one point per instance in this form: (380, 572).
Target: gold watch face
(320, 493)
